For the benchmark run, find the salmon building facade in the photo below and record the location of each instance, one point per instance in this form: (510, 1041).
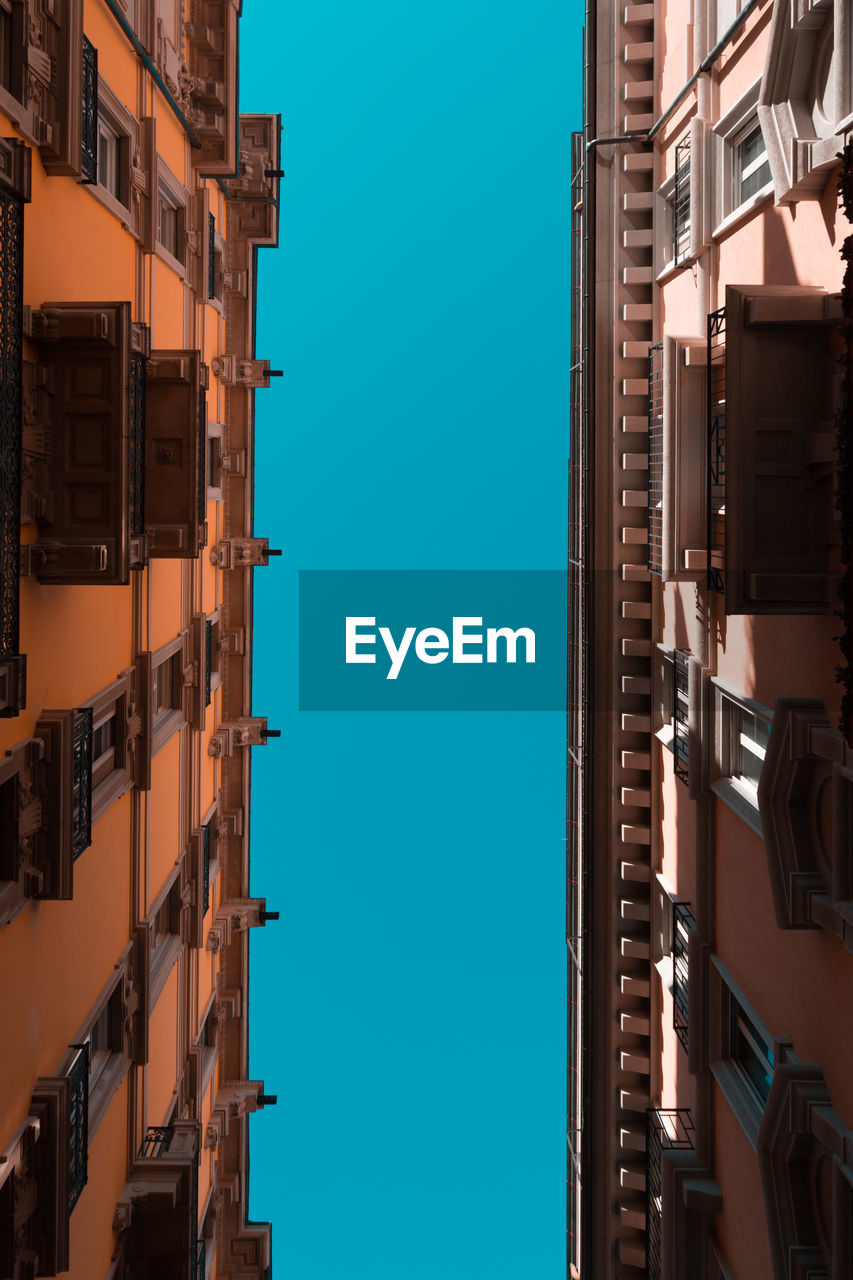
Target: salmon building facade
(710, 877)
(133, 201)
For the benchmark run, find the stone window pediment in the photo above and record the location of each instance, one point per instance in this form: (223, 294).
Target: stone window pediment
(806, 102)
(806, 800)
(805, 1155)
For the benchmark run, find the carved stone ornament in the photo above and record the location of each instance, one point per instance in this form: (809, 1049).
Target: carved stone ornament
(806, 801)
(805, 1157)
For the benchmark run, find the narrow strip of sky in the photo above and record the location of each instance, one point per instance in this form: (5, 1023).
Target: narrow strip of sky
(408, 1009)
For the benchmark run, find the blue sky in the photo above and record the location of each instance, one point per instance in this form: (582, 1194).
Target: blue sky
(409, 1007)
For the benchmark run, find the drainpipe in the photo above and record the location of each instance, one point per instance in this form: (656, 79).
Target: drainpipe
(115, 10)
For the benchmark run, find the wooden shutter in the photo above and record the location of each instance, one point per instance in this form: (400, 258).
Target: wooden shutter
(779, 398)
(84, 531)
(175, 453)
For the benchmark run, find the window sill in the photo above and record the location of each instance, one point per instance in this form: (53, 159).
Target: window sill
(174, 263)
(743, 212)
(163, 960)
(743, 1105)
(164, 728)
(112, 203)
(740, 801)
(105, 1090)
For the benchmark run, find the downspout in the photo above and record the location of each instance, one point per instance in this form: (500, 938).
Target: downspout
(586, 886)
(115, 10)
(706, 64)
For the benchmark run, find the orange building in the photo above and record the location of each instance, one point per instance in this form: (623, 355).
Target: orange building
(709, 878)
(133, 200)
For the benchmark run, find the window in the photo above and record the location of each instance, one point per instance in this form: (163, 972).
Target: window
(742, 178)
(104, 748)
(164, 936)
(681, 202)
(169, 225)
(751, 1053)
(112, 158)
(741, 734)
(110, 771)
(751, 166)
(742, 1055)
(167, 690)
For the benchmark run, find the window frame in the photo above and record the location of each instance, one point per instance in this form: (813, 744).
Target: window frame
(726, 781)
(165, 947)
(728, 134)
(740, 173)
(114, 117)
(726, 1000)
(168, 719)
(169, 191)
(113, 701)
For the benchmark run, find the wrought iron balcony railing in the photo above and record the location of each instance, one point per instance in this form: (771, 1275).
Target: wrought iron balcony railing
(89, 156)
(156, 1141)
(665, 1130)
(683, 925)
(208, 660)
(717, 450)
(211, 256)
(11, 335)
(655, 444)
(205, 865)
(136, 459)
(202, 458)
(81, 817)
(680, 715)
(681, 202)
(78, 1143)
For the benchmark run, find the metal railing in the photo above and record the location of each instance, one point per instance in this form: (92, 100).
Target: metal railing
(665, 1130)
(78, 1137)
(208, 660)
(136, 451)
(655, 446)
(681, 202)
(211, 256)
(156, 1141)
(205, 869)
(81, 775)
(202, 457)
(683, 925)
(680, 714)
(89, 153)
(11, 346)
(717, 450)
(576, 702)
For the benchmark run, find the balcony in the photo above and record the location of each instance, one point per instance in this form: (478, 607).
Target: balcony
(157, 1212)
(14, 191)
(772, 386)
(716, 502)
(120, 471)
(665, 1131)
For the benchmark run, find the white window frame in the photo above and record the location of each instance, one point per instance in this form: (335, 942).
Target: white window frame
(737, 792)
(741, 175)
(169, 191)
(728, 134)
